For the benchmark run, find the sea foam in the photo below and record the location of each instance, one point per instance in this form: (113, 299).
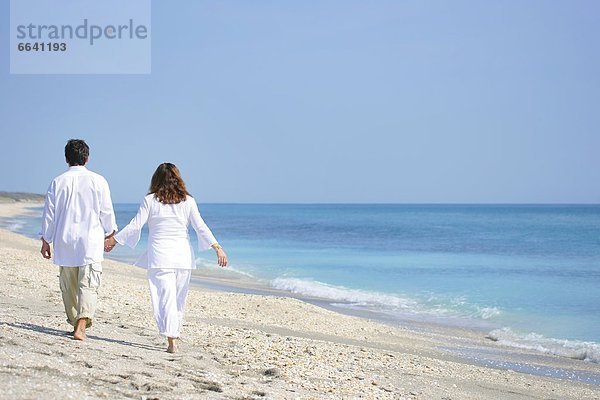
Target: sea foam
(13, 225)
(387, 303)
(340, 293)
(580, 350)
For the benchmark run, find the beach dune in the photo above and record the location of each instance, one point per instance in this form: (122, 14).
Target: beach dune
(234, 346)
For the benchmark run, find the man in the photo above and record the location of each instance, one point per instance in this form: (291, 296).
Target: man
(78, 215)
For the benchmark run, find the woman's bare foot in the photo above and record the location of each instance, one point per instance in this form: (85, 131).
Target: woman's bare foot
(172, 346)
(79, 332)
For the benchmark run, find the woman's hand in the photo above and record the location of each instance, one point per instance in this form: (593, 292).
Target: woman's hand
(221, 255)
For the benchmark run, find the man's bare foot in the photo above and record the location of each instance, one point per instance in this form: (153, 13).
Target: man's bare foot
(79, 332)
(172, 346)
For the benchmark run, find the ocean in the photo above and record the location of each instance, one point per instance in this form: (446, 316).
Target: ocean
(528, 275)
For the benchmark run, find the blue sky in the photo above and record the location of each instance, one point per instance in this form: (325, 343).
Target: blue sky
(331, 101)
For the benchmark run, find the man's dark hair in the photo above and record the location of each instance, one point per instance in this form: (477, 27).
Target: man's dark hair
(77, 152)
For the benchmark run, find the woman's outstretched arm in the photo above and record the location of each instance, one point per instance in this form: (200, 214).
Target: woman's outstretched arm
(130, 235)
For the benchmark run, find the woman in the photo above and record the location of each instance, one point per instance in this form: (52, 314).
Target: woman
(168, 209)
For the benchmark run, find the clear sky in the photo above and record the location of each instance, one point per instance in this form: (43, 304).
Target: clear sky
(331, 101)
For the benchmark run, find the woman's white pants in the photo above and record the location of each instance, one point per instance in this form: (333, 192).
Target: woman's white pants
(168, 291)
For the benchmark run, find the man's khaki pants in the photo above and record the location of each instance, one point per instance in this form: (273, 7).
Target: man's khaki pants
(79, 287)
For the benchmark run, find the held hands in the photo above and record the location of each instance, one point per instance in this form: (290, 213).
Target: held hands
(109, 243)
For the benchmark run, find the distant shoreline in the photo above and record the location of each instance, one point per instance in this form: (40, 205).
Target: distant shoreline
(14, 197)
(20, 197)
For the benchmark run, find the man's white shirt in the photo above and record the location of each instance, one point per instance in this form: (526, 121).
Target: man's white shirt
(78, 214)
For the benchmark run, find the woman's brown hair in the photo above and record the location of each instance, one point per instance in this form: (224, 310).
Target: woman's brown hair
(167, 184)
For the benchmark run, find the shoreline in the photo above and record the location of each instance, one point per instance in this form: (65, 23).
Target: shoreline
(480, 340)
(464, 344)
(232, 281)
(249, 333)
(238, 281)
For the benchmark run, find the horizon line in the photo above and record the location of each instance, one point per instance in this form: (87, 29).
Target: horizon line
(2, 192)
(394, 203)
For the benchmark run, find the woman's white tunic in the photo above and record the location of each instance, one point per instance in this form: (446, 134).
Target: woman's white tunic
(169, 243)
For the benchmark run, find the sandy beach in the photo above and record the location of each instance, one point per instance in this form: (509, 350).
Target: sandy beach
(238, 346)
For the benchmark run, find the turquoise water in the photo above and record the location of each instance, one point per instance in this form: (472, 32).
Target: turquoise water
(528, 274)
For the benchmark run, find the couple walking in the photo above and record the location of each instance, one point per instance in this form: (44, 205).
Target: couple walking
(79, 221)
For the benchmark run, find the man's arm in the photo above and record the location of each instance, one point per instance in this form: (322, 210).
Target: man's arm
(107, 213)
(48, 223)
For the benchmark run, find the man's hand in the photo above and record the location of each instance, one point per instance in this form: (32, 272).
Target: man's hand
(46, 251)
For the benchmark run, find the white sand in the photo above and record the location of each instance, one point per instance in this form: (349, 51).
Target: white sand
(235, 346)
